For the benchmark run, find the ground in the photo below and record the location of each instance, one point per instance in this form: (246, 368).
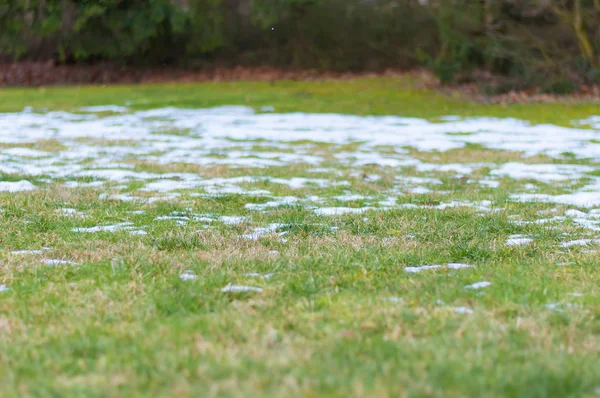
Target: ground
(210, 240)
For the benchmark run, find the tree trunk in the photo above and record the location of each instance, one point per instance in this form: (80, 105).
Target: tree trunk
(585, 45)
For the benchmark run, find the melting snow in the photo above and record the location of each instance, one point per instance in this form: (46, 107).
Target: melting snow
(25, 152)
(257, 275)
(18, 186)
(463, 310)
(259, 232)
(580, 242)
(241, 289)
(459, 266)
(542, 172)
(25, 252)
(210, 132)
(414, 270)
(580, 198)
(57, 262)
(126, 226)
(104, 108)
(232, 220)
(478, 285)
(336, 211)
(187, 276)
(518, 240)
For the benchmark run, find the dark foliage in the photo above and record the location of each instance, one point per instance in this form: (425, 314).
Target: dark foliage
(552, 44)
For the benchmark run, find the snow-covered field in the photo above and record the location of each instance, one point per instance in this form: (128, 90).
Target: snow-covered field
(171, 249)
(103, 148)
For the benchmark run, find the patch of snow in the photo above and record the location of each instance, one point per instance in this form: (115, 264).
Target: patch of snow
(337, 211)
(489, 183)
(4, 288)
(25, 252)
(580, 242)
(52, 261)
(393, 299)
(136, 212)
(18, 186)
(241, 289)
(478, 285)
(233, 220)
(445, 167)
(518, 240)
(173, 218)
(127, 226)
(281, 201)
(575, 214)
(558, 307)
(459, 266)
(259, 232)
(420, 190)
(463, 310)
(25, 152)
(414, 270)
(69, 212)
(419, 180)
(542, 172)
(580, 199)
(417, 269)
(188, 276)
(257, 275)
(104, 108)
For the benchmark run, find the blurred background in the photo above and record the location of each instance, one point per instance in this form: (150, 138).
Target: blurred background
(499, 45)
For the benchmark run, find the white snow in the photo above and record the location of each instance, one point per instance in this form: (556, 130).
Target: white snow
(280, 201)
(126, 226)
(211, 130)
(104, 108)
(259, 232)
(229, 136)
(18, 186)
(187, 276)
(69, 212)
(393, 299)
(463, 310)
(580, 198)
(25, 252)
(478, 285)
(459, 266)
(232, 220)
(580, 242)
(25, 152)
(417, 269)
(258, 275)
(337, 211)
(575, 213)
(542, 172)
(518, 240)
(414, 270)
(240, 289)
(52, 261)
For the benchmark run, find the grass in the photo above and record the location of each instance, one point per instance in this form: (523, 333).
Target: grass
(368, 96)
(338, 315)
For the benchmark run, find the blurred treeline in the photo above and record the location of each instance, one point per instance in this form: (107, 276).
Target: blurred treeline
(552, 44)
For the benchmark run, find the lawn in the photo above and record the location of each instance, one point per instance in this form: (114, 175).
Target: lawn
(342, 238)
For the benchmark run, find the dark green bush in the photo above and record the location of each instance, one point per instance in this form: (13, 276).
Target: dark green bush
(552, 44)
